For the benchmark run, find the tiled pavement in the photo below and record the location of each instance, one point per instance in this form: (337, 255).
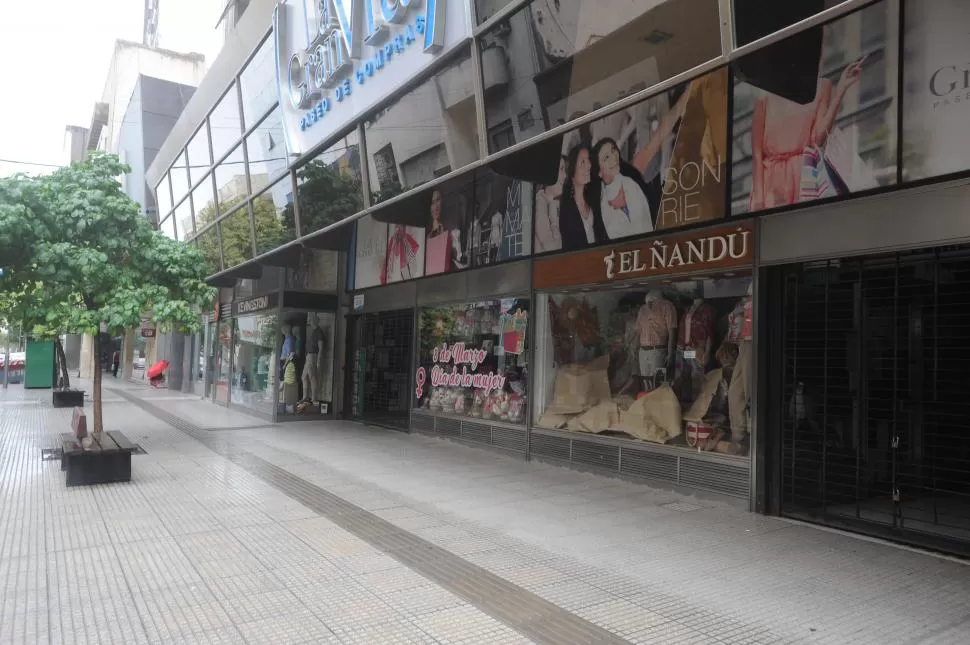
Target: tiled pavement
(236, 531)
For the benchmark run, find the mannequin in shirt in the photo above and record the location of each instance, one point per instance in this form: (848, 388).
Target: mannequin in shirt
(311, 368)
(657, 326)
(739, 390)
(696, 332)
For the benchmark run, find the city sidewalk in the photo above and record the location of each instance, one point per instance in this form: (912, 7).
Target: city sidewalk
(234, 530)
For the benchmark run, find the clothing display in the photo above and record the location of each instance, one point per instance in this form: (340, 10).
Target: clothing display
(694, 338)
(653, 366)
(289, 346)
(739, 393)
(656, 320)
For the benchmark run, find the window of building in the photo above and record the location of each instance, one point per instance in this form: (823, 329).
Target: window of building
(266, 147)
(225, 123)
(184, 224)
(179, 177)
(163, 196)
(754, 19)
(237, 237)
(472, 360)
(329, 186)
(439, 112)
(198, 154)
(231, 182)
(258, 83)
(666, 364)
(501, 136)
(386, 168)
(208, 243)
(566, 58)
(204, 204)
(254, 361)
(167, 227)
(273, 216)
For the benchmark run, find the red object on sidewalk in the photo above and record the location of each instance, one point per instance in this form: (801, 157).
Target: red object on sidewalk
(157, 369)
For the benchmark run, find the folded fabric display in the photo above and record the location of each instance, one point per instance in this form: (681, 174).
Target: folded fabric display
(580, 386)
(601, 417)
(656, 416)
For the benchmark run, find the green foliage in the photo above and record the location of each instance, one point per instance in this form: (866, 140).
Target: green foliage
(81, 254)
(328, 194)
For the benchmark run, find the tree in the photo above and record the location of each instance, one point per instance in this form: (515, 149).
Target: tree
(271, 231)
(328, 193)
(91, 260)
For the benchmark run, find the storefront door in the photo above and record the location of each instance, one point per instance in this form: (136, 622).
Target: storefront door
(873, 396)
(379, 368)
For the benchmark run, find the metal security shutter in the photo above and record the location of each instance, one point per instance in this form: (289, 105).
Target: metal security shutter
(875, 394)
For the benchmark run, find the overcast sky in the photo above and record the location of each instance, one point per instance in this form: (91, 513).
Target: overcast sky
(54, 57)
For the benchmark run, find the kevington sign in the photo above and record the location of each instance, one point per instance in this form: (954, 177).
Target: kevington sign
(335, 59)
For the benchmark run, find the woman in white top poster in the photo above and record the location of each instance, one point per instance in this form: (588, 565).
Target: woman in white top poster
(623, 200)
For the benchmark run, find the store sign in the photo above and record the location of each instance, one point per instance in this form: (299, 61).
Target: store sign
(337, 58)
(458, 355)
(258, 304)
(696, 251)
(147, 328)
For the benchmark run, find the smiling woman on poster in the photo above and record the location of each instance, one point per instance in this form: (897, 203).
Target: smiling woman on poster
(623, 198)
(580, 220)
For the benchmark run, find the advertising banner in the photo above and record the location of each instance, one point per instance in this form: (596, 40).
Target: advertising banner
(658, 165)
(842, 140)
(336, 59)
(936, 74)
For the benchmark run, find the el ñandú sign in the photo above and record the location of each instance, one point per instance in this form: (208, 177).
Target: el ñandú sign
(721, 248)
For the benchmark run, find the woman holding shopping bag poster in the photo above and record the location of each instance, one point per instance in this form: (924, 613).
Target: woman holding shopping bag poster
(785, 134)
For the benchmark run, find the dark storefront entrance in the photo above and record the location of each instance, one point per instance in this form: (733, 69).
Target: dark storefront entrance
(871, 396)
(379, 356)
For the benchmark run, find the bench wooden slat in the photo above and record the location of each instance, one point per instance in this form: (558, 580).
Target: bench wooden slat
(108, 444)
(122, 441)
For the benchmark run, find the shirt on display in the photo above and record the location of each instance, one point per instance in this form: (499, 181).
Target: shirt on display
(656, 320)
(697, 327)
(316, 339)
(288, 346)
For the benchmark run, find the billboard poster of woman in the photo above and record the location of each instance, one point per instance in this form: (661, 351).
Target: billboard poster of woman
(656, 165)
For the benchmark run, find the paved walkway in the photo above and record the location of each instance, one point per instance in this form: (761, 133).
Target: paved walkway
(234, 530)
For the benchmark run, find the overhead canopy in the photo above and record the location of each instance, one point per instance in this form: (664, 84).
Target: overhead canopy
(415, 210)
(332, 238)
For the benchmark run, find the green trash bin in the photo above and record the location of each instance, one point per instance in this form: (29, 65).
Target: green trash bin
(39, 368)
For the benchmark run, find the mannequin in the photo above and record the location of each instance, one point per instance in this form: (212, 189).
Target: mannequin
(694, 339)
(657, 325)
(289, 342)
(311, 367)
(739, 391)
(288, 384)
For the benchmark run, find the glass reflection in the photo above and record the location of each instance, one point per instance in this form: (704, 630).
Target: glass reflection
(198, 154)
(329, 187)
(266, 148)
(427, 133)
(163, 198)
(179, 176)
(208, 242)
(225, 123)
(204, 203)
(230, 174)
(258, 83)
(167, 227)
(754, 19)
(182, 216)
(556, 60)
(273, 217)
(237, 238)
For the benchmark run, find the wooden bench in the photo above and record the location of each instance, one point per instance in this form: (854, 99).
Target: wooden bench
(103, 462)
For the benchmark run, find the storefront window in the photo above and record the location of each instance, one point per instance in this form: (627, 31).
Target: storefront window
(198, 154)
(225, 123)
(306, 363)
(163, 197)
(266, 147)
(254, 364)
(273, 217)
(667, 362)
(329, 186)
(430, 131)
(473, 360)
(558, 60)
(237, 238)
(258, 83)
(223, 362)
(230, 176)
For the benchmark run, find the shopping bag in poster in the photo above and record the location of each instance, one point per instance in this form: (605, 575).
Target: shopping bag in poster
(815, 181)
(846, 169)
(438, 251)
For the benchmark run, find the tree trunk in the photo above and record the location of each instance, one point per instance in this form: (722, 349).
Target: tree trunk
(65, 379)
(96, 394)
